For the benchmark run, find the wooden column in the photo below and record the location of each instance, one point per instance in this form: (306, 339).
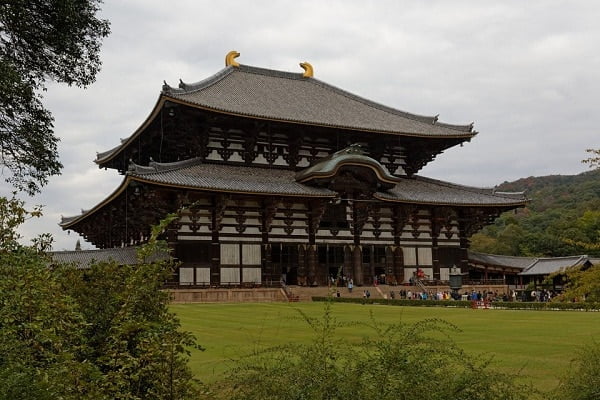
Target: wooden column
(316, 209)
(360, 214)
(400, 216)
(357, 266)
(218, 209)
(302, 265)
(435, 233)
(348, 269)
(267, 215)
(311, 261)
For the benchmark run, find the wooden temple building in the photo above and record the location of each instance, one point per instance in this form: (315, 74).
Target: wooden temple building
(278, 175)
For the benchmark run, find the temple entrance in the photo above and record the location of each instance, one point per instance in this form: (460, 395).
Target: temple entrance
(331, 263)
(374, 264)
(284, 257)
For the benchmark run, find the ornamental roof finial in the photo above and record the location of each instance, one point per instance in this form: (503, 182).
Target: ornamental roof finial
(308, 70)
(230, 59)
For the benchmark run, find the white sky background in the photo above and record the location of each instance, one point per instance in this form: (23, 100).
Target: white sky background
(527, 73)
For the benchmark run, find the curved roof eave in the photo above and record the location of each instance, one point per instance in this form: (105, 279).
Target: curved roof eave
(107, 156)
(459, 135)
(74, 220)
(71, 221)
(450, 204)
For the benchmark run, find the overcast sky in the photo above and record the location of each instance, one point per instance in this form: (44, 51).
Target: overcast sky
(526, 73)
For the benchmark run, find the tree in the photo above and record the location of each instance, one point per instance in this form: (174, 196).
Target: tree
(582, 382)
(403, 361)
(41, 40)
(582, 284)
(102, 332)
(12, 215)
(41, 333)
(594, 160)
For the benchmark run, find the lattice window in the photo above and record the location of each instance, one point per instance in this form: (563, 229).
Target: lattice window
(425, 257)
(230, 254)
(230, 276)
(251, 275)
(251, 254)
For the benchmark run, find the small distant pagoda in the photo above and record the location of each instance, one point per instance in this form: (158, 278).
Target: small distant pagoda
(278, 175)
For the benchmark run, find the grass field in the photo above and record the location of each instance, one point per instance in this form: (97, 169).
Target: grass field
(538, 344)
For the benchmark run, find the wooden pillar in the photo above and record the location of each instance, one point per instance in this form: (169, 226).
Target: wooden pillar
(360, 214)
(400, 216)
(302, 265)
(348, 269)
(464, 244)
(218, 208)
(435, 233)
(311, 258)
(389, 265)
(357, 266)
(316, 209)
(268, 213)
(399, 264)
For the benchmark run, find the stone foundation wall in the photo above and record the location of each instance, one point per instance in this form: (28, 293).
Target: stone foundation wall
(226, 295)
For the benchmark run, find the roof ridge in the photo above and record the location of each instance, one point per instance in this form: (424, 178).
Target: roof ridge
(564, 257)
(154, 166)
(195, 86)
(499, 255)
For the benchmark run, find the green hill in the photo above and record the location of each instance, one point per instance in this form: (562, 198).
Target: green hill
(563, 209)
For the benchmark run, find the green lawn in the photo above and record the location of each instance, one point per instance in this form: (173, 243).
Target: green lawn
(539, 344)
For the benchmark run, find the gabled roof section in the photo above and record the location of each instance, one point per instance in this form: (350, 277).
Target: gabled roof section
(350, 156)
(497, 260)
(290, 97)
(546, 266)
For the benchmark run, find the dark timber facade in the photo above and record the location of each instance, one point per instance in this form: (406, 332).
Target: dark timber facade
(276, 174)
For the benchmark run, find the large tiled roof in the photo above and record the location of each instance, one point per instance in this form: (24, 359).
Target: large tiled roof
(244, 179)
(228, 178)
(195, 175)
(290, 97)
(84, 258)
(431, 191)
(546, 266)
(500, 260)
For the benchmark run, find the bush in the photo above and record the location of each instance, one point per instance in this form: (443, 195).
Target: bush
(403, 361)
(582, 382)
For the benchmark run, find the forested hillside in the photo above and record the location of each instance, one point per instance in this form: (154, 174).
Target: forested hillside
(564, 214)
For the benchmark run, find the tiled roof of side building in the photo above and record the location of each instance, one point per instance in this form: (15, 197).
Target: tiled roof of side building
(431, 191)
(545, 266)
(84, 258)
(286, 96)
(500, 260)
